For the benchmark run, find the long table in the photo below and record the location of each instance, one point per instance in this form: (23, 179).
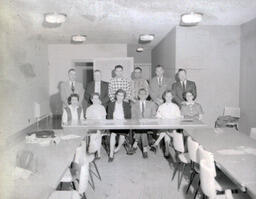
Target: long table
(229, 148)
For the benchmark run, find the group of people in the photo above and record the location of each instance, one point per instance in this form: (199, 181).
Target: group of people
(122, 99)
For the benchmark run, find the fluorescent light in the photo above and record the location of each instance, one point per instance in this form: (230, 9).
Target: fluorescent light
(55, 18)
(191, 18)
(78, 38)
(140, 49)
(146, 37)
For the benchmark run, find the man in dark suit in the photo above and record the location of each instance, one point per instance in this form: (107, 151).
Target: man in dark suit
(181, 86)
(142, 109)
(158, 85)
(97, 86)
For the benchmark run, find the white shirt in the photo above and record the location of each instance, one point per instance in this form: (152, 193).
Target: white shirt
(118, 112)
(74, 114)
(168, 111)
(144, 103)
(185, 83)
(97, 87)
(96, 111)
(160, 80)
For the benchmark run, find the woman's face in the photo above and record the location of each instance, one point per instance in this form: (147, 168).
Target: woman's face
(189, 97)
(74, 101)
(168, 97)
(120, 97)
(95, 99)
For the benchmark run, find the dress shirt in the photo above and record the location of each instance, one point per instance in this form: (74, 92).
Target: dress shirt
(118, 112)
(119, 83)
(96, 112)
(97, 87)
(74, 114)
(185, 84)
(142, 103)
(160, 81)
(168, 111)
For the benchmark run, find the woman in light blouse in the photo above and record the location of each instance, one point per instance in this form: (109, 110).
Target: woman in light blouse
(191, 109)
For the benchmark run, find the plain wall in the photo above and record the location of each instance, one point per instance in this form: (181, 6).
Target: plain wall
(164, 54)
(211, 55)
(247, 76)
(23, 76)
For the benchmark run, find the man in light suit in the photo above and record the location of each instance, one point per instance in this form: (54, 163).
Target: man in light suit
(97, 86)
(142, 109)
(71, 86)
(158, 85)
(181, 86)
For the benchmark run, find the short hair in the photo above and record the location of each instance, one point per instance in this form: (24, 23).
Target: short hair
(120, 91)
(142, 89)
(119, 66)
(138, 68)
(185, 93)
(94, 94)
(97, 70)
(165, 93)
(159, 66)
(73, 95)
(182, 69)
(71, 69)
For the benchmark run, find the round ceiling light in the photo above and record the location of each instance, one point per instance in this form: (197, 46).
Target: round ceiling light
(147, 37)
(55, 18)
(140, 49)
(78, 38)
(191, 18)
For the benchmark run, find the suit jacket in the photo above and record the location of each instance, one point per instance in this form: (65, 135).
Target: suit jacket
(178, 91)
(157, 91)
(126, 108)
(90, 89)
(65, 92)
(149, 112)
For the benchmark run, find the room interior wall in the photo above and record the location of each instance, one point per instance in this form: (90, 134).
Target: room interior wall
(24, 74)
(211, 55)
(247, 77)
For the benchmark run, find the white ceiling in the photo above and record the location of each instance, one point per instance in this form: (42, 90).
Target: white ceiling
(120, 21)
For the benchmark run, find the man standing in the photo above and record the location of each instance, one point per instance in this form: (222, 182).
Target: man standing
(71, 87)
(158, 85)
(181, 86)
(138, 83)
(97, 86)
(142, 109)
(119, 82)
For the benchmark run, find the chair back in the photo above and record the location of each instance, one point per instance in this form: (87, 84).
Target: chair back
(206, 155)
(232, 111)
(178, 142)
(253, 133)
(192, 149)
(207, 179)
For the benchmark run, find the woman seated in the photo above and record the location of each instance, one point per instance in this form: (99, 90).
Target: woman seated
(73, 112)
(118, 110)
(96, 111)
(167, 110)
(191, 109)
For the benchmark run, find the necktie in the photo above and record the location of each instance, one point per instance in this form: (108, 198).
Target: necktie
(142, 109)
(183, 86)
(72, 87)
(159, 81)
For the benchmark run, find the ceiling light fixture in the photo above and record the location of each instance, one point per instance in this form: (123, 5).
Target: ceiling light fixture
(55, 18)
(191, 18)
(79, 38)
(147, 37)
(140, 49)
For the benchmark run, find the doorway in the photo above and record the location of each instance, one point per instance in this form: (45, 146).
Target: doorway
(84, 71)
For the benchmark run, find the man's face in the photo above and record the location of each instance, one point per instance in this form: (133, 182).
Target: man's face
(97, 76)
(182, 76)
(119, 72)
(168, 97)
(95, 99)
(159, 71)
(72, 75)
(137, 73)
(143, 95)
(120, 97)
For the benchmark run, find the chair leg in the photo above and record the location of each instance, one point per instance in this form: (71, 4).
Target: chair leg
(181, 175)
(73, 185)
(61, 184)
(191, 180)
(97, 170)
(92, 181)
(175, 171)
(198, 186)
